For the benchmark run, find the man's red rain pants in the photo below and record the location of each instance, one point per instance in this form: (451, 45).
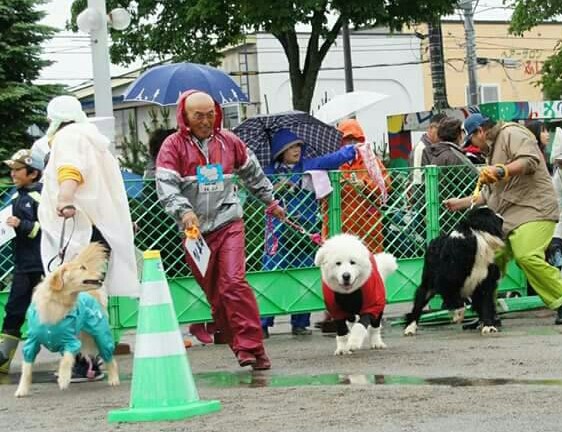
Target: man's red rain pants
(232, 301)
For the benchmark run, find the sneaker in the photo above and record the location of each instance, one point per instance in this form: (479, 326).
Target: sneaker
(85, 370)
(265, 331)
(262, 362)
(329, 326)
(201, 333)
(558, 320)
(301, 331)
(219, 338)
(246, 358)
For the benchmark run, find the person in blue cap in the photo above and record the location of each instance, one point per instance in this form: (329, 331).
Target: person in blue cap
(25, 170)
(519, 188)
(284, 249)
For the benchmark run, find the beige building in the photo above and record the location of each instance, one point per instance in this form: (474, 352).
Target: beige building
(513, 63)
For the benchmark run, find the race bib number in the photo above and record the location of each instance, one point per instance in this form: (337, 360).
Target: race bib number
(199, 251)
(210, 178)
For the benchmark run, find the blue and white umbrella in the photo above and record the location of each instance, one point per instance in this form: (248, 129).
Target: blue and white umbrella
(257, 132)
(163, 85)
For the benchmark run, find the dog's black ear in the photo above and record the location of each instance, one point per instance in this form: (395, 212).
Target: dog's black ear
(57, 280)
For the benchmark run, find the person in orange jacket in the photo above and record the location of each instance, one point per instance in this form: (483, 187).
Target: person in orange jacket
(360, 196)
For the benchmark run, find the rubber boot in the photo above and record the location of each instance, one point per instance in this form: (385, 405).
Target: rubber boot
(8, 346)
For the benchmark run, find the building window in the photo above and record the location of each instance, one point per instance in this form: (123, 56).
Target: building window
(231, 116)
(487, 93)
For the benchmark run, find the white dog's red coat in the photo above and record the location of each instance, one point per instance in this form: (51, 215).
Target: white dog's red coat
(372, 291)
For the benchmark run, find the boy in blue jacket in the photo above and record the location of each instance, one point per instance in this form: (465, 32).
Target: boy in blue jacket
(282, 250)
(25, 171)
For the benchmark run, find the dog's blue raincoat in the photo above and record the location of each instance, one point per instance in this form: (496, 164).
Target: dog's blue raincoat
(87, 316)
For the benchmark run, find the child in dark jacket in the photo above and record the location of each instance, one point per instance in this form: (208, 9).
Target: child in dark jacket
(288, 164)
(25, 171)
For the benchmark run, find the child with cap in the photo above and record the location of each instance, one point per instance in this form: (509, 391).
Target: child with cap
(25, 171)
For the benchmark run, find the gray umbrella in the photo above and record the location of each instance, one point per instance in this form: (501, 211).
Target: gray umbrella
(257, 132)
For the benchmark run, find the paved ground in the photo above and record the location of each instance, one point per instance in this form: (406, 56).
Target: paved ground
(441, 380)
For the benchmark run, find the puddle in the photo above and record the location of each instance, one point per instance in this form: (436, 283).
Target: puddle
(263, 379)
(250, 380)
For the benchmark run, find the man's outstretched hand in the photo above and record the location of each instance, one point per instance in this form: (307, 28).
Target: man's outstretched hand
(189, 220)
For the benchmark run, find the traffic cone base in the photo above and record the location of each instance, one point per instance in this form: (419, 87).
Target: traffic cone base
(165, 414)
(163, 387)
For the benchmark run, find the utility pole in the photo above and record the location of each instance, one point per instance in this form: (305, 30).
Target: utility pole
(348, 68)
(466, 6)
(103, 97)
(440, 101)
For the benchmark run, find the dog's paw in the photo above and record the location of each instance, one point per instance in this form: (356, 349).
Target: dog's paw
(458, 315)
(357, 337)
(22, 391)
(63, 380)
(341, 351)
(488, 330)
(341, 346)
(375, 338)
(113, 380)
(411, 329)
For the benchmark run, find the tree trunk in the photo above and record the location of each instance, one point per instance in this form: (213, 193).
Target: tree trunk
(303, 82)
(440, 101)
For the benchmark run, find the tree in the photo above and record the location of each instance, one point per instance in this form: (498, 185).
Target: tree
(196, 30)
(527, 14)
(22, 104)
(134, 153)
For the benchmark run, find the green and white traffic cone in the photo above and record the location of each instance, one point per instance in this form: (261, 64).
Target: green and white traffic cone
(8, 347)
(163, 387)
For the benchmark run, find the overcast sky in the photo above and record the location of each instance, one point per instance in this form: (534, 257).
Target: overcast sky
(71, 51)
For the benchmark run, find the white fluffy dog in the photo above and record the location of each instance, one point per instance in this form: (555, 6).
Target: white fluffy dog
(353, 284)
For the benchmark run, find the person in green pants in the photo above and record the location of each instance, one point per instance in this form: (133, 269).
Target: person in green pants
(517, 186)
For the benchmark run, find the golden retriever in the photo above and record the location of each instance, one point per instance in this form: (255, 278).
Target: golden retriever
(72, 292)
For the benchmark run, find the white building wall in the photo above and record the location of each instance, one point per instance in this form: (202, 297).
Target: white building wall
(403, 83)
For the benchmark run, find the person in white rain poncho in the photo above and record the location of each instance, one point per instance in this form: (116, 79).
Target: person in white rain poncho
(82, 180)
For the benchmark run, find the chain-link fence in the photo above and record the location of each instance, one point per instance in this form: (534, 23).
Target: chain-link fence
(280, 257)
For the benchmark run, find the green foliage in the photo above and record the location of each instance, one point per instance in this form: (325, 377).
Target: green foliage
(22, 103)
(134, 153)
(196, 30)
(527, 14)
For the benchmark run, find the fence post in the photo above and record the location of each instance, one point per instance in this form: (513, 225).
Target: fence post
(432, 202)
(334, 204)
(113, 309)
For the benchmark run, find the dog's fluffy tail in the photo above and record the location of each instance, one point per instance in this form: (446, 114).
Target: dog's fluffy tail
(386, 264)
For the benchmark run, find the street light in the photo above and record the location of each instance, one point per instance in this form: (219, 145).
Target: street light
(94, 21)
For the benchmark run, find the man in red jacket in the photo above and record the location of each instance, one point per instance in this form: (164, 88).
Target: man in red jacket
(195, 198)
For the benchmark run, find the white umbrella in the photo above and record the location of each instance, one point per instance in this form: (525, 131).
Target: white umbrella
(344, 105)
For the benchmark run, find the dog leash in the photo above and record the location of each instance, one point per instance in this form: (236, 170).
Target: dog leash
(475, 194)
(62, 245)
(271, 249)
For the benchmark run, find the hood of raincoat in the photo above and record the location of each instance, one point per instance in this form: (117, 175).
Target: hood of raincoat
(282, 140)
(351, 128)
(183, 127)
(64, 109)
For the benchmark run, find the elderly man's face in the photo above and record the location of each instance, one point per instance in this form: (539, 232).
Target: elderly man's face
(200, 113)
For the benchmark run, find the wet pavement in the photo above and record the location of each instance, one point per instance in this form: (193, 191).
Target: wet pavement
(442, 379)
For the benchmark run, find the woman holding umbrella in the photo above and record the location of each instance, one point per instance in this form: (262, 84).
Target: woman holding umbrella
(283, 249)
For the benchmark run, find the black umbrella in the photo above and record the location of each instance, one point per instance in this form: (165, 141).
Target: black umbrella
(257, 132)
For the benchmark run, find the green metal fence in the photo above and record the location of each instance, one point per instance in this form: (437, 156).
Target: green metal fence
(279, 259)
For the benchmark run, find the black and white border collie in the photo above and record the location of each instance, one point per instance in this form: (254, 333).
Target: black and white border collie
(461, 266)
